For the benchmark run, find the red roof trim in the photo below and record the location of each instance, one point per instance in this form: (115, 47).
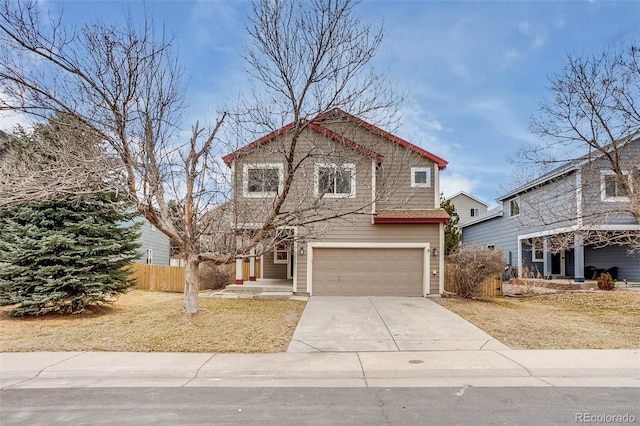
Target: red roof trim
(410, 220)
(314, 126)
(230, 157)
(442, 164)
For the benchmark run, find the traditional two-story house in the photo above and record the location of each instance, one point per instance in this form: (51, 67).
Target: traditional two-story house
(467, 207)
(575, 221)
(362, 214)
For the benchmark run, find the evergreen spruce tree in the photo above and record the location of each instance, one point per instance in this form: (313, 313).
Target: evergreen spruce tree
(452, 234)
(67, 254)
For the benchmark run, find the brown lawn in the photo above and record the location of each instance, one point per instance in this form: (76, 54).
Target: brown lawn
(152, 321)
(581, 320)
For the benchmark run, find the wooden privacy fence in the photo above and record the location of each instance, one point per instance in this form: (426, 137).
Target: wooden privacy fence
(492, 286)
(171, 278)
(158, 278)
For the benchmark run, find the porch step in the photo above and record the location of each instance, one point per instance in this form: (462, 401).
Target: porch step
(256, 289)
(275, 295)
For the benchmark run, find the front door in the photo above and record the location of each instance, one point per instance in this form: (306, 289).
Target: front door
(557, 264)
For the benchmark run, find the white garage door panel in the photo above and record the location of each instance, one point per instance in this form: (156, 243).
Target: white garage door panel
(367, 272)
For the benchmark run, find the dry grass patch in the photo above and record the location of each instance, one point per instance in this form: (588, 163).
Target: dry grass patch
(143, 321)
(591, 320)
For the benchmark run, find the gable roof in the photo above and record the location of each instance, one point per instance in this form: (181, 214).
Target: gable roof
(336, 112)
(316, 125)
(564, 169)
(491, 214)
(468, 196)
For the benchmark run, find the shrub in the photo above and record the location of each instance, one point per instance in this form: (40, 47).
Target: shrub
(213, 277)
(606, 282)
(470, 266)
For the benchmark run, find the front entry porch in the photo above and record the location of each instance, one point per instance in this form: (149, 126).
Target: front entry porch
(261, 288)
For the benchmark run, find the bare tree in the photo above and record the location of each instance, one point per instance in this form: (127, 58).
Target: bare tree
(307, 60)
(124, 84)
(590, 130)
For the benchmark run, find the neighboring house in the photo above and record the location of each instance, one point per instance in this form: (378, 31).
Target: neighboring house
(391, 246)
(467, 207)
(155, 246)
(548, 227)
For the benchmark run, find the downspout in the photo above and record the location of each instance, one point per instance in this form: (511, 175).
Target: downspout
(373, 189)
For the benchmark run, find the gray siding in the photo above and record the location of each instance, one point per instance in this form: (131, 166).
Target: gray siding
(553, 206)
(500, 232)
(151, 238)
(607, 257)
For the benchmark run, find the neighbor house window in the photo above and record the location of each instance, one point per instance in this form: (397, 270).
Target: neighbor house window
(420, 177)
(514, 207)
(149, 256)
(335, 181)
(475, 212)
(611, 187)
(281, 253)
(262, 180)
(537, 250)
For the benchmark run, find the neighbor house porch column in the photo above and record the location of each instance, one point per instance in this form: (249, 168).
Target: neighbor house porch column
(578, 258)
(546, 256)
(239, 261)
(252, 265)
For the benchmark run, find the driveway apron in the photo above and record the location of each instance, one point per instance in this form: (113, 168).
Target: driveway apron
(384, 324)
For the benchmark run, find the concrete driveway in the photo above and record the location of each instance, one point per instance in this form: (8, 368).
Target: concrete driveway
(384, 324)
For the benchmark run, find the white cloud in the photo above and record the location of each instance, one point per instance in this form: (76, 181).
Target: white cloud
(503, 118)
(538, 34)
(9, 120)
(524, 27)
(452, 183)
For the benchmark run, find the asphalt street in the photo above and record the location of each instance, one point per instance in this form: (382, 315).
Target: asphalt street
(320, 406)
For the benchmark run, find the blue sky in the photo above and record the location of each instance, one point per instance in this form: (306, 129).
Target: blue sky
(475, 70)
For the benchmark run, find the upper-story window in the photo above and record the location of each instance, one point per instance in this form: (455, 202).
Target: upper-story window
(475, 212)
(262, 179)
(514, 207)
(420, 177)
(611, 187)
(335, 181)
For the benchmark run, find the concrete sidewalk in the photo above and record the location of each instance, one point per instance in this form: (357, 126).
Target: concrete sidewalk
(489, 368)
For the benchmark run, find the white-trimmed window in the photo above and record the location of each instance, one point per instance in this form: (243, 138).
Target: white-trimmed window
(262, 179)
(421, 177)
(474, 212)
(514, 207)
(537, 250)
(335, 181)
(611, 188)
(281, 253)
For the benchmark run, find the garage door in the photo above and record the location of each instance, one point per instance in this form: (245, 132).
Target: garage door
(367, 272)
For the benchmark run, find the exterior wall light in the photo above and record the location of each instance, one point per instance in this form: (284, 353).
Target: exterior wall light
(435, 251)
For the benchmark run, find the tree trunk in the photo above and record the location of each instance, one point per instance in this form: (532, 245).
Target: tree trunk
(191, 285)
